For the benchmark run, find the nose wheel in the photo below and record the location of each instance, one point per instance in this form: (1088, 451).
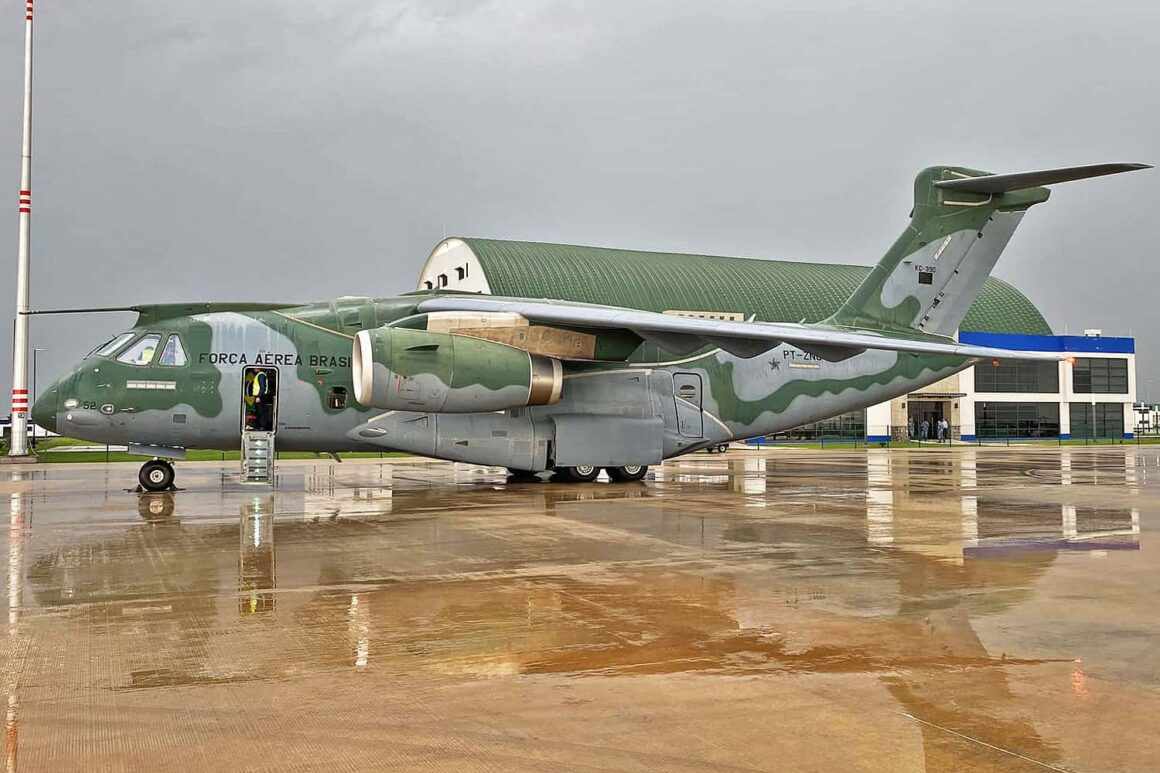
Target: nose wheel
(156, 475)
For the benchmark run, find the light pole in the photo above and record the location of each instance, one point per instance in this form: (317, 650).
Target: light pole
(35, 349)
(19, 447)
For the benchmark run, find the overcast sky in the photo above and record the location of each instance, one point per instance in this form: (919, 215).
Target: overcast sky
(290, 150)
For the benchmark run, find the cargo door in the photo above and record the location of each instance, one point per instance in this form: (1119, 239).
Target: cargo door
(687, 394)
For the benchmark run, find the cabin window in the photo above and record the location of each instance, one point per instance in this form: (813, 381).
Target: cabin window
(110, 346)
(442, 280)
(141, 353)
(429, 285)
(173, 354)
(337, 398)
(460, 272)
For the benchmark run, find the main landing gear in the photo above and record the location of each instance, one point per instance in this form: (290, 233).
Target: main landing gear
(627, 473)
(586, 473)
(156, 475)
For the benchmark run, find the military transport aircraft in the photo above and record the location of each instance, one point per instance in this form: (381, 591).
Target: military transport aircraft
(535, 384)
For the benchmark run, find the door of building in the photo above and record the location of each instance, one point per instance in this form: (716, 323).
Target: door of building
(929, 411)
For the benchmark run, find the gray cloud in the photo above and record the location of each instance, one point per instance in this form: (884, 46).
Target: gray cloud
(277, 150)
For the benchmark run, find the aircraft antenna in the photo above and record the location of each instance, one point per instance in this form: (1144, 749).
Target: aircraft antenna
(20, 397)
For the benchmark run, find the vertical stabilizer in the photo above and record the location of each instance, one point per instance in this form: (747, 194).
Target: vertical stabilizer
(931, 275)
(961, 222)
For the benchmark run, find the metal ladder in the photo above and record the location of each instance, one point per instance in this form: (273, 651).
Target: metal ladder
(257, 457)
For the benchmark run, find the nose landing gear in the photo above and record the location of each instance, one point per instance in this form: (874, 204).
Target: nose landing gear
(156, 475)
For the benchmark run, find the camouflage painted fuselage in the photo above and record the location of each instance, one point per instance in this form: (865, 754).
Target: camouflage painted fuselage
(533, 384)
(199, 404)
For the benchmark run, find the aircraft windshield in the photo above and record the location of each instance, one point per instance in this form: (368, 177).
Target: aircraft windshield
(174, 353)
(110, 346)
(141, 353)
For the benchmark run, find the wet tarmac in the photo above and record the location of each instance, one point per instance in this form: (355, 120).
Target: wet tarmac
(989, 609)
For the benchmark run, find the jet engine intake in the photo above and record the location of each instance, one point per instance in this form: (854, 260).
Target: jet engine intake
(402, 369)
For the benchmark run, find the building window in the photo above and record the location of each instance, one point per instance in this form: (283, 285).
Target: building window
(994, 420)
(1108, 420)
(1018, 376)
(1101, 376)
(848, 425)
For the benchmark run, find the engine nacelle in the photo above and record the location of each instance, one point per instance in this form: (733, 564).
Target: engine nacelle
(416, 370)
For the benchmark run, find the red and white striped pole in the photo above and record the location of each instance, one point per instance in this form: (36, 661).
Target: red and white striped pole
(19, 445)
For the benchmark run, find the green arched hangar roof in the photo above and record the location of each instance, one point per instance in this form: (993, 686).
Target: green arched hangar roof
(774, 290)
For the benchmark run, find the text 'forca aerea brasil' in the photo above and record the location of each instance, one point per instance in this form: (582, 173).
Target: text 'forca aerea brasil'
(274, 358)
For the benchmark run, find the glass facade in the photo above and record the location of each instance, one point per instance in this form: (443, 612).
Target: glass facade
(848, 425)
(1017, 376)
(995, 420)
(1109, 420)
(1100, 376)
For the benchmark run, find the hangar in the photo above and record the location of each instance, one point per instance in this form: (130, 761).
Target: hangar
(1091, 394)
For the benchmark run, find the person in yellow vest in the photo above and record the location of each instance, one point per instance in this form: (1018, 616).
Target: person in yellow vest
(263, 401)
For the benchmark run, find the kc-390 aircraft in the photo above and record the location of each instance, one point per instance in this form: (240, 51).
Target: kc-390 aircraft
(537, 384)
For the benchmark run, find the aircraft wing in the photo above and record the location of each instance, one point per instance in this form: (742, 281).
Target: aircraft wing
(685, 335)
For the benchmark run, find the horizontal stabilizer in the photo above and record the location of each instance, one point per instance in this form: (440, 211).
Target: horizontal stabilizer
(1002, 183)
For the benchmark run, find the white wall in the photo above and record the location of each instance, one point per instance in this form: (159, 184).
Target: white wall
(1064, 397)
(443, 267)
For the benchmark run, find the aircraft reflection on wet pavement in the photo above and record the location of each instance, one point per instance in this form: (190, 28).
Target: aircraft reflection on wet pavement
(875, 562)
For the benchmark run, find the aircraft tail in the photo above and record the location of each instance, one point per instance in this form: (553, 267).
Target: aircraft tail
(961, 222)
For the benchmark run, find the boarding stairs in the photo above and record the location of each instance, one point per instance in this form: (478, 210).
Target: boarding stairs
(257, 457)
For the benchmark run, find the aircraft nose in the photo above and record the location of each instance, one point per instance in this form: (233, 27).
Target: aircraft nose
(45, 408)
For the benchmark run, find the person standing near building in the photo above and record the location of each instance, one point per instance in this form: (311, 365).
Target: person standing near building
(924, 430)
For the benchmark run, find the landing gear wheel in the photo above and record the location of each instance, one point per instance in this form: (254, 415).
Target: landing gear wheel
(583, 473)
(628, 472)
(156, 475)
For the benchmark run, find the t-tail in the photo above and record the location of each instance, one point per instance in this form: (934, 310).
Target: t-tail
(961, 221)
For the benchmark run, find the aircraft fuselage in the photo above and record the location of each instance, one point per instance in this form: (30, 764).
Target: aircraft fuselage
(199, 400)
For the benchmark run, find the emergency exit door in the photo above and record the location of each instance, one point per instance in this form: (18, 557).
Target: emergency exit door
(687, 393)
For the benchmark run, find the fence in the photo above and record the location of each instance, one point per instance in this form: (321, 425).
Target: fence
(902, 436)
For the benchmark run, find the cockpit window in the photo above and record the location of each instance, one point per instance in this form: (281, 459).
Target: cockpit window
(141, 353)
(110, 346)
(174, 353)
